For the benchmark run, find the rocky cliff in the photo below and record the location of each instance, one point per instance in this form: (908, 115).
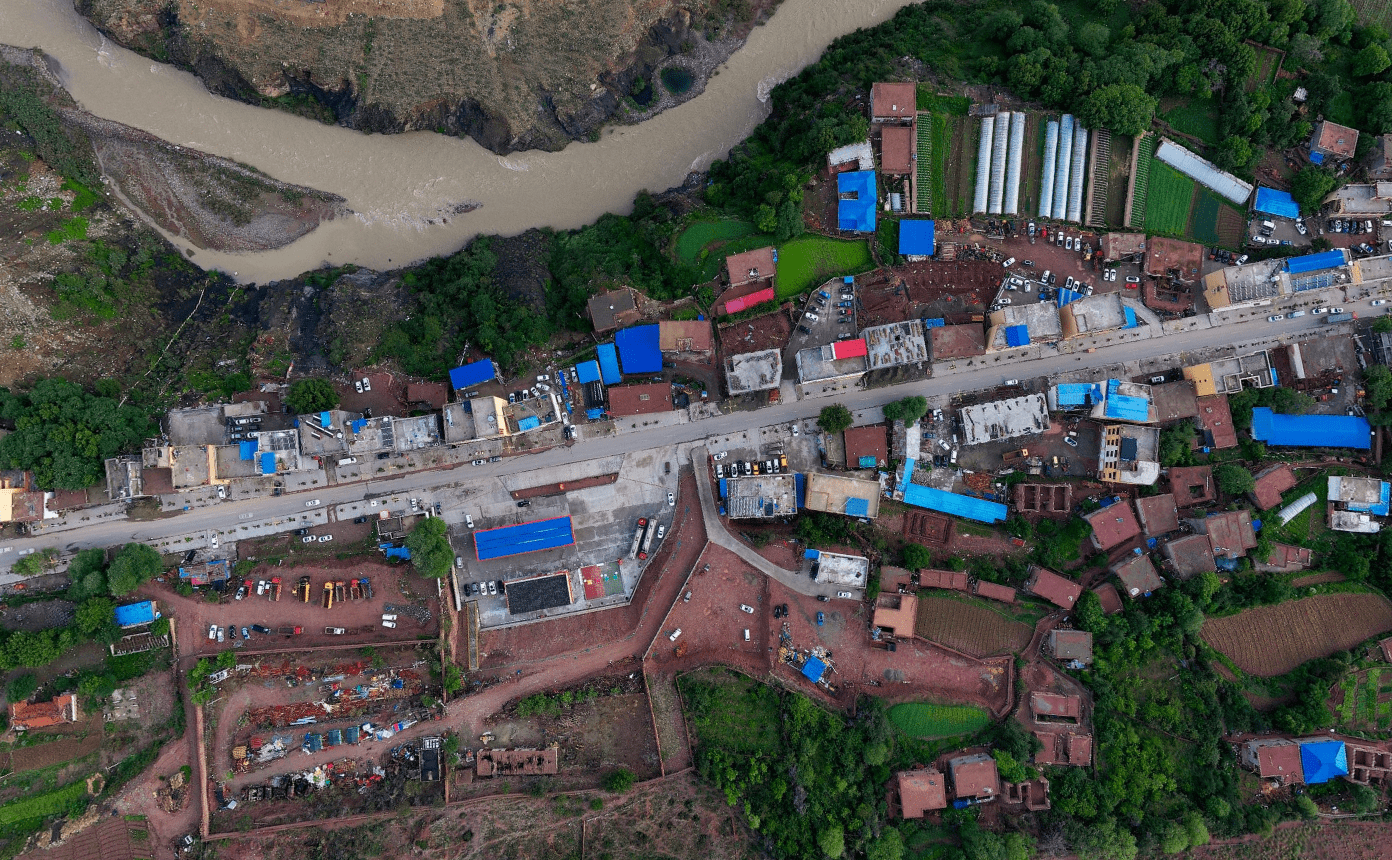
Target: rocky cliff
(532, 74)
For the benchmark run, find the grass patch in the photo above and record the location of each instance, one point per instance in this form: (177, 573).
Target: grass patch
(42, 805)
(1340, 109)
(734, 710)
(807, 261)
(929, 720)
(1167, 200)
(1205, 223)
(694, 240)
(1198, 117)
(940, 103)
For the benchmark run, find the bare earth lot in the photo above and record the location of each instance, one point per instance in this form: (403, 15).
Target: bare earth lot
(1273, 640)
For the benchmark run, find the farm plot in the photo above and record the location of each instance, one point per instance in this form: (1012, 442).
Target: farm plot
(1374, 12)
(969, 627)
(1169, 200)
(807, 261)
(1363, 701)
(1140, 193)
(1273, 640)
(1119, 167)
(931, 720)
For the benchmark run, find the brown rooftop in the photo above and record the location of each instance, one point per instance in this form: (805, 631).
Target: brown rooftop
(1070, 644)
(1158, 514)
(1115, 246)
(750, 267)
(1192, 485)
(1043, 498)
(1276, 758)
(991, 591)
(974, 776)
(685, 336)
(1215, 418)
(1174, 400)
(1230, 533)
(896, 149)
(957, 341)
(1137, 575)
(897, 613)
(1189, 555)
(433, 393)
(871, 441)
(943, 579)
(1330, 138)
(610, 310)
(1271, 483)
(1386, 646)
(1109, 598)
(1285, 558)
(893, 100)
(640, 399)
(1113, 525)
(1184, 258)
(769, 331)
(1080, 750)
(1053, 588)
(1063, 747)
(1056, 707)
(921, 791)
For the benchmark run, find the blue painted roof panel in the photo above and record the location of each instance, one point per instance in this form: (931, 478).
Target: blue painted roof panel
(1273, 202)
(475, 373)
(1310, 431)
(523, 537)
(967, 507)
(135, 613)
(1077, 393)
(609, 364)
(1315, 262)
(857, 507)
(268, 466)
(935, 322)
(1323, 760)
(587, 371)
(916, 238)
(813, 669)
(531, 422)
(1017, 335)
(1066, 296)
(638, 349)
(856, 214)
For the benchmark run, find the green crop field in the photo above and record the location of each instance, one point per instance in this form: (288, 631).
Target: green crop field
(809, 260)
(1167, 200)
(42, 805)
(1198, 117)
(706, 244)
(1206, 211)
(1374, 12)
(927, 720)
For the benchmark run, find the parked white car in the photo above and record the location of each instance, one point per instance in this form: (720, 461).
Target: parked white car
(746, 608)
(313, 503)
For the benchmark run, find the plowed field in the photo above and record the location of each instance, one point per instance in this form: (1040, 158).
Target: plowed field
(1273, 640)
(969, 627)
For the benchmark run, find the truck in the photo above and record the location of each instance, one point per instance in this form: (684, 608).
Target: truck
(647, 541)
(275, 588)
(1344, 317)
(1014, 456)
(338, 590)
(367, 587)
(303, 588)
(333, 631)
(637, 537)
(290, 631)
(354, 589)
(328, 595)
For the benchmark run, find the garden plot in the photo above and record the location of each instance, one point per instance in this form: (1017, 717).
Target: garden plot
(1363, 701)
(932, 720)
(970, 627)
(1273, 640)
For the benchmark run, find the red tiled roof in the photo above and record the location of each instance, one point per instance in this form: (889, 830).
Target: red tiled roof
(750, 266)
(1080, 750)
(991, 591)
(1138, 575)
(943, 579)
(1286, 558)
(871, 441)
(1335, 139)
(640, 399)
(1215, 416)
(1230, 533)
(1190, 554)
(1113, 525)
(896, 149)
(1071, 644)
(1281, 761)
(1108, 597)
(1053, 588)
(893, 101)
(921, 791)
(1158, 514)
(63, 709)
(1271, 483)
(974, 776)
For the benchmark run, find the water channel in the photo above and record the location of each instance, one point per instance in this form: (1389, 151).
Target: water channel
(402, 188)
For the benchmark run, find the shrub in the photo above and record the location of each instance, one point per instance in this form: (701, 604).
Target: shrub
(619, 781)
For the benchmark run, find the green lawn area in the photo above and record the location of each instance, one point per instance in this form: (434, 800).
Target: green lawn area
(807, 261)
(1198, 117)
(706, 244)
(931, 101)
(42, 805)
(929, 720)
(1167, 200)
(1340, 108)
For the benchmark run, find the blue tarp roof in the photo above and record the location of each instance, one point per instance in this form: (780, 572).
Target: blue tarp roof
(1078, 393)
(1273, 202)
(813, 669)
(594, 414)
(247, 450)
(801, 482)
(268, 463)
(325, 419)
(135, 613)
(967, 507)
(1066, 296)
(1017, 335)
(398, 552)
(1323, 760)
(531, 422)
(472, 374)
(1125, 407)
(812, 553)
(1130, 317)
(609, 364)
(1380, 507)
(638, 350)
(587, 371)
(1315, 262)
(935, 322)
(856, 214)
(1317, 158)
(358, 424)
(857, 507)
(916, 238)
(523, 537)
(1310, 431)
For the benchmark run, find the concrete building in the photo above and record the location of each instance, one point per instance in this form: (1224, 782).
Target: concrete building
(686, 340)
(840, 494)
(760, 497)
(1119, 247)
(1372, 200)
(1040, 321)
(895, 344)
(825, 371)
(754, 371)
(1355, 501)
(1129, 454)
(1063, 644)
(1004, 419)
(1096, 314)
(1044, 498)
(21, 503)
(1230, 375)
(896, 613)
(1274, 758)
(837, 569)
(1379, 159)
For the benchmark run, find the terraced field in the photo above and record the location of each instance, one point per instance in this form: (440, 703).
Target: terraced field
(931, 720)
(969, 626)
(1273, 640)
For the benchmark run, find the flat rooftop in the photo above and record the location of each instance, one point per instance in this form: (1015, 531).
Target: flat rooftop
(895, 344)
(1091, 314)
(830, 493)
(1237, 285)
(1183, 259)
(1174, 400)
(838, 569)
(957, 341)
(1004, 419)
(761, 496)
(818, 362)
(754, 371)
(1041, 319)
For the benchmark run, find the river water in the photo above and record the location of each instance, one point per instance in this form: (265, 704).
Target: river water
(402, 188)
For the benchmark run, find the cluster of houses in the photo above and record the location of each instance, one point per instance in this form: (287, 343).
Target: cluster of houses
(1316, 760)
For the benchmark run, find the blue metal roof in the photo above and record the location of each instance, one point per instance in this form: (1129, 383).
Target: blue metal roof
(1380, 507)
(800, 481)
(935, 322)
(856, 214)
(1066, 296)
(1078, 393)
(857, 507)
(813, 669)
(1130, 317)
(812, 553)
(1125, 407)
(1323, 760)
(531, 422)
(247, 449)
(523, 537)
(916, 238)
(400, 552)
(967, 507)
(472, 374)
(587, 371)
(609, 364)
(1310, 431)
(638, 349)
(268, 466)
(133, 614)
(1017, 335)
(1315, 262)
(1273, 202)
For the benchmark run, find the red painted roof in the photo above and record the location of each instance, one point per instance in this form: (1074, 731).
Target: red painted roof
(749, 300)
(850, 348)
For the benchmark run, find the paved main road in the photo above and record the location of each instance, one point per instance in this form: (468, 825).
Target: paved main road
(1254, 331)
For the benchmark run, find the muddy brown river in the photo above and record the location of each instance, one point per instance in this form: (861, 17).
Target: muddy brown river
(403, 188)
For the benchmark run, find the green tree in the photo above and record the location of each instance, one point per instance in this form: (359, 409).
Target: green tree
(1093, 38)
(1009, 767)
(134, 565)
(832, 840)
(31, 649)
(21, 687)
(834, 418)
(1101, 840)
(1173, 839)
(916, 556)
(1370, 61)
(87, 575)
(909, 410)
(890, 846)
(1123, 108)
(64, 435)
(431, 553)
(34, 563)
(1196, 829)
(1310, 186)
(619, 781)
(1308, 809)
(1383, 325)
(1234, 479)
(95, 617)
(311, 395)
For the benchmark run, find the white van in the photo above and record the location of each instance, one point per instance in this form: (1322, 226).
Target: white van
(675, 634)
(1268, 225)
(347, 461)
(746, 634)
(388, 617)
